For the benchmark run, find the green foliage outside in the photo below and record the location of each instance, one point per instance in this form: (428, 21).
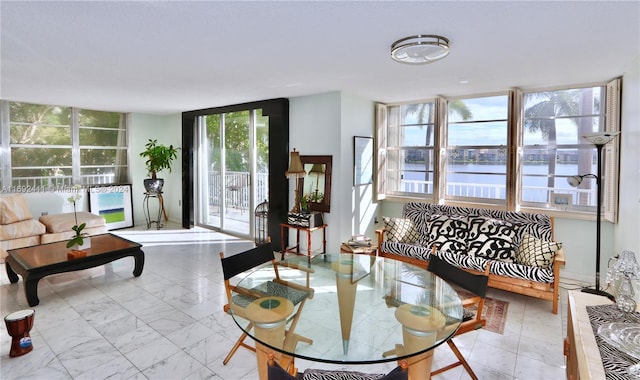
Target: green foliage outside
(236, 144)
(45, 133)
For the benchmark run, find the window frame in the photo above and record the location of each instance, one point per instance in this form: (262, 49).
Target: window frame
(37, 183)
(514, 151)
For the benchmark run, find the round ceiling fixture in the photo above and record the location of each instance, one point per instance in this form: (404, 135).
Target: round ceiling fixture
(420, 49)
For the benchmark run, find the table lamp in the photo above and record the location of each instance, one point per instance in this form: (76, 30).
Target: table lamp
(296, 170)
(318, 170)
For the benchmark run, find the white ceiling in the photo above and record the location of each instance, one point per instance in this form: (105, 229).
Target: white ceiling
(167, 57)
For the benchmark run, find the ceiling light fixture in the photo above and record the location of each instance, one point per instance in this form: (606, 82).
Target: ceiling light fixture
(420, 49)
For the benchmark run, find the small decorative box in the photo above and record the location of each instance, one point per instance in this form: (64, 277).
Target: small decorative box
(310, 220)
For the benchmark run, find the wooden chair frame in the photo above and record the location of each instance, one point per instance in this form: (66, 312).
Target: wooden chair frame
(474, 283)
(234, 265)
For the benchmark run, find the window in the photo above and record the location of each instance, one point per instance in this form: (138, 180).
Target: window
(410, 137)
(476, 144)
(48, 146)
(515, 149)
(553, 147)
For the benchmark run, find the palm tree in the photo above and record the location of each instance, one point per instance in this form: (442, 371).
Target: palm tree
(425, 115)
(541, 117)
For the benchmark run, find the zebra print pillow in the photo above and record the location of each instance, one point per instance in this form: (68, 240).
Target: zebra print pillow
(318, 374)
(492, 239)
(447, 233)
(535, 252)
(400, 230)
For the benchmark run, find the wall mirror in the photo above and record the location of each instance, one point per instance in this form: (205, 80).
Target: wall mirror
(315, 186)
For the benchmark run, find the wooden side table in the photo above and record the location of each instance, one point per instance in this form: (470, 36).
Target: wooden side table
(309, 230)
(370, 250)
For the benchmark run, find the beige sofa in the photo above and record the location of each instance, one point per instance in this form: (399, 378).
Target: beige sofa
(19, 229)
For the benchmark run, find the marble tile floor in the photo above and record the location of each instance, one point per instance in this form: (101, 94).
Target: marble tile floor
(103, 323)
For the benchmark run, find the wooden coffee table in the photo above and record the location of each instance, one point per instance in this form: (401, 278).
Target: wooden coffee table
(36, 262)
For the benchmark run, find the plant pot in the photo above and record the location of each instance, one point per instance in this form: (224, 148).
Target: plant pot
(86, 244)
(153, 185)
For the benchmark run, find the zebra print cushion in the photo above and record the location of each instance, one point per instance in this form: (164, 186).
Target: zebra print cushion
(319, 374)
(498, 267)
(416, 251)
(448, 233)
(400, 230)
(538, 225)
(492, 239)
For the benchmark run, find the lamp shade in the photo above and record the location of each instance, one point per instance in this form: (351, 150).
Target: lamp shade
(317, 169)
(601, 138)
(296, 170)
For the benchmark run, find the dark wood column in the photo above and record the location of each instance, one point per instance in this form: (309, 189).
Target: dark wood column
(278, 112)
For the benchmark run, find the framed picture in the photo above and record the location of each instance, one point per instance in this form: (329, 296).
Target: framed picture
(362, 160)
(562, 200)
(114, 203)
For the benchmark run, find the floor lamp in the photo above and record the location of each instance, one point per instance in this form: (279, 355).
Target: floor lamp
(599, 139)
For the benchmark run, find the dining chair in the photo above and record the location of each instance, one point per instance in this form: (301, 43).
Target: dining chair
(276, 372)
(238, 298)
(475, 291)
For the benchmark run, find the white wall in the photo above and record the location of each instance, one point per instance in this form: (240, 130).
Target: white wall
(627, 231)
(314, 129)
(325, 124)
(168, 131)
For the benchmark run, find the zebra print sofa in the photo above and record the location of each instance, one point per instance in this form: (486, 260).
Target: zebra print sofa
(519, 246)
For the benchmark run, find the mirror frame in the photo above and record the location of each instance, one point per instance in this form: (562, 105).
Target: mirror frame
(325, 206)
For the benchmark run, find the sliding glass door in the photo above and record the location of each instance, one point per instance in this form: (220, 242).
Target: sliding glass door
(232, 161)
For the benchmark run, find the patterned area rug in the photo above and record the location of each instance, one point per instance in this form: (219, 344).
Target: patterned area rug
(494, 311)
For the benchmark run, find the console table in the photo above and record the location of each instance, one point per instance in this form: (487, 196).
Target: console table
(580, 347)
(309, 231)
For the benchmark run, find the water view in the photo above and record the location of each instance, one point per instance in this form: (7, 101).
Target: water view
(489, 181)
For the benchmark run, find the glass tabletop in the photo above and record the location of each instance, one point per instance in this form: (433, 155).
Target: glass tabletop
(364, 309)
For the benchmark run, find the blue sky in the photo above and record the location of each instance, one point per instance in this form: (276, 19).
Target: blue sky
(494, 133)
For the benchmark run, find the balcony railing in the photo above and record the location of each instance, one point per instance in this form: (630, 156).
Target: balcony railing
(236, 188)
(54, 183)
(540, 194)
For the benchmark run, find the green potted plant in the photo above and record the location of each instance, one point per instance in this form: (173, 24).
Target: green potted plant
(159, 157)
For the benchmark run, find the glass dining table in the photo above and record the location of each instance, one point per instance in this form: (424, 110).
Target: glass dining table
(362, 310)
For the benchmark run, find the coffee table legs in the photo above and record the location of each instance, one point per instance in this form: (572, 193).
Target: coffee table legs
(31, 281)
(31, 291)
(139, 263)
(13, 277)
(30, 284)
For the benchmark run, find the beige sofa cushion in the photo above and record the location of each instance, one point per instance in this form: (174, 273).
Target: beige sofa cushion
(14, 208)
(53, 237)
(25, 228)
(64, 222)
